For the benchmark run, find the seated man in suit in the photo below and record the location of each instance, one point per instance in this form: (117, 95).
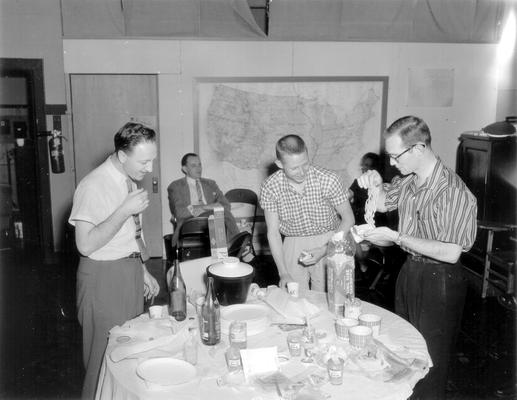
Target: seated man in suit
(193, 196)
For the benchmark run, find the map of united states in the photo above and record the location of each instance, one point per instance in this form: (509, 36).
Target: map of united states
(240, 122)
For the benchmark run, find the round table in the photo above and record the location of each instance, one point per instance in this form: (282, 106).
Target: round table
(119, 381)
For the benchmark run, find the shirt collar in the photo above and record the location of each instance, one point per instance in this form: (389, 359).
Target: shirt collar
(191, 181)
(115, 173)
(433, 179)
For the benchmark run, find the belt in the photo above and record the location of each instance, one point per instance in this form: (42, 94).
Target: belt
(423, 259)
(134, 255)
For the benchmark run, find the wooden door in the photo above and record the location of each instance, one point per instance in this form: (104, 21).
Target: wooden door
(101, 104)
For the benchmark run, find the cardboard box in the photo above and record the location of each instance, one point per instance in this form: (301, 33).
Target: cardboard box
(217, 230)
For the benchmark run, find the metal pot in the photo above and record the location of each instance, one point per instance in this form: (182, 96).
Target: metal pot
(232, 280)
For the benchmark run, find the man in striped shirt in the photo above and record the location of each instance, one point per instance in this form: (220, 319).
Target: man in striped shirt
(437, 222)
(307, 204)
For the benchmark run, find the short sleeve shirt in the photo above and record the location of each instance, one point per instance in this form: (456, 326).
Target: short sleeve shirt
(312, 212)
(442, 209)
(97, 196)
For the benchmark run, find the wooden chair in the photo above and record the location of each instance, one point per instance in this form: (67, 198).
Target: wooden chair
(499, 268)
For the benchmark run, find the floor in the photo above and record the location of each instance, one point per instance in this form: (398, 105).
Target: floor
(41, 340)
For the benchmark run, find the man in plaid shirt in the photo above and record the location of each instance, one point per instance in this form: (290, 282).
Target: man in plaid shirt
(307, 204)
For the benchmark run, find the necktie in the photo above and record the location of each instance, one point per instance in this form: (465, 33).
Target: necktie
(199, 191)
(144, 255)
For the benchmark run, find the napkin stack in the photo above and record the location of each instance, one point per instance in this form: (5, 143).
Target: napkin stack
(293, 309)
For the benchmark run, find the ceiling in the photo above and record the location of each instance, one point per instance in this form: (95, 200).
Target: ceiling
(449, 21)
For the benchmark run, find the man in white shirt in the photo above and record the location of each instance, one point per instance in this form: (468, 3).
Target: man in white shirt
(112, 278)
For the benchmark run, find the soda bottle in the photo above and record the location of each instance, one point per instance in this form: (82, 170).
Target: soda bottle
(210, 317)
(177, 294)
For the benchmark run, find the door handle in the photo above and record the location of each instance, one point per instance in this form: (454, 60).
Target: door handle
(155, 184)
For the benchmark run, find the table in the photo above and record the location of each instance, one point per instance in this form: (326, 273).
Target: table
(119, 381)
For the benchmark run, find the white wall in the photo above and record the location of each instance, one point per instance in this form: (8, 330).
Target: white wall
(179, 62)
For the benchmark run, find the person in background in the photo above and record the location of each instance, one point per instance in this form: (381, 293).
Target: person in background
(437, 222)
(194, 196)
(112, 279)
(357, 195)
(307, 204)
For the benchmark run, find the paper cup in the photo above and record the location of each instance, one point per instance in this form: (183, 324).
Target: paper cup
(156, 312)
(343, 325)
(359, 335)
(293, 288)
(373, 321)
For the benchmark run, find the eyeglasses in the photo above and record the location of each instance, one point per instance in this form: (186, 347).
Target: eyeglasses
(396, 158)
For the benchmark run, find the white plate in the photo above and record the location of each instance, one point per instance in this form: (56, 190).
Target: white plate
(256, 317)
(166, 371)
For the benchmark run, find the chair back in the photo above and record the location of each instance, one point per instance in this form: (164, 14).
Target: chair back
(247, 196)
(194, 239)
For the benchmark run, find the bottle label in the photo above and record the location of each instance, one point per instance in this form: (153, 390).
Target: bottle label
(178, 301)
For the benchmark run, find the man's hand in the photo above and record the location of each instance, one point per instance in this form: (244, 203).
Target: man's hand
(369, 179)
(135, 202)
(381, 235)
(312, 256)
(284, 279)
(151, 287)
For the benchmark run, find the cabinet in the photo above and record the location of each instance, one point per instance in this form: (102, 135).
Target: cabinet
(488, 167)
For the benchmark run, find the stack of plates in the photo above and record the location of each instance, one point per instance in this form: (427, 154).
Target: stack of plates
(256, 317)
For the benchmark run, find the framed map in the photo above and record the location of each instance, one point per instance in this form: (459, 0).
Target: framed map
(237, 122)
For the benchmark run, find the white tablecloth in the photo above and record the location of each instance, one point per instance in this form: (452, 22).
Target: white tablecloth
(119, 381)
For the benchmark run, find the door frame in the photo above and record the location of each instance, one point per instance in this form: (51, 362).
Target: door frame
(32, 70)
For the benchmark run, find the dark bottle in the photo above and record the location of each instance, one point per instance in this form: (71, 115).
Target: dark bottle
(177, 294)
(210, 317)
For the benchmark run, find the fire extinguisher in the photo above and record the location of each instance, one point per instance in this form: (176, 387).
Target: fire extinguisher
(55, 147)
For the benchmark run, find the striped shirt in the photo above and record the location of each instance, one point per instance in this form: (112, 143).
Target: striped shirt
(442, 209)
(312, 212)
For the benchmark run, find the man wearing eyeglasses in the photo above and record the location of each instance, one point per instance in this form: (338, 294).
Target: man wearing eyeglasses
(437, 222)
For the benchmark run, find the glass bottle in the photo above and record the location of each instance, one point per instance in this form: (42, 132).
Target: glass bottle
(210, 317)
(177, 294)
(340, 272)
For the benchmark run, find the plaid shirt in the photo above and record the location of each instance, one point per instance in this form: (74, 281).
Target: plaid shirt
(442, 209)
(312, 212)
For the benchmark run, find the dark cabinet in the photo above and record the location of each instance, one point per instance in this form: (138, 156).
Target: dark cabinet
(488, 166)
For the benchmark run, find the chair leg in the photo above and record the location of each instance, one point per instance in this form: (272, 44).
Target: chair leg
(486, 273)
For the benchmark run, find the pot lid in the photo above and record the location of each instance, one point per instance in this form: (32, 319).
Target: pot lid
(230, 267)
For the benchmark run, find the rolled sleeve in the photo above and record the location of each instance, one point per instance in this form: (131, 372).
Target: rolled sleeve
(337, 195)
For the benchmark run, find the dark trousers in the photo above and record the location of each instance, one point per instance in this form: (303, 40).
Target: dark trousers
(431, 297)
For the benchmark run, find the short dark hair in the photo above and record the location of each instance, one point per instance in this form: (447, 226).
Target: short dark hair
(375, 160)
(411, 129)
(184, 159)
(290, 144)
(132, 134)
